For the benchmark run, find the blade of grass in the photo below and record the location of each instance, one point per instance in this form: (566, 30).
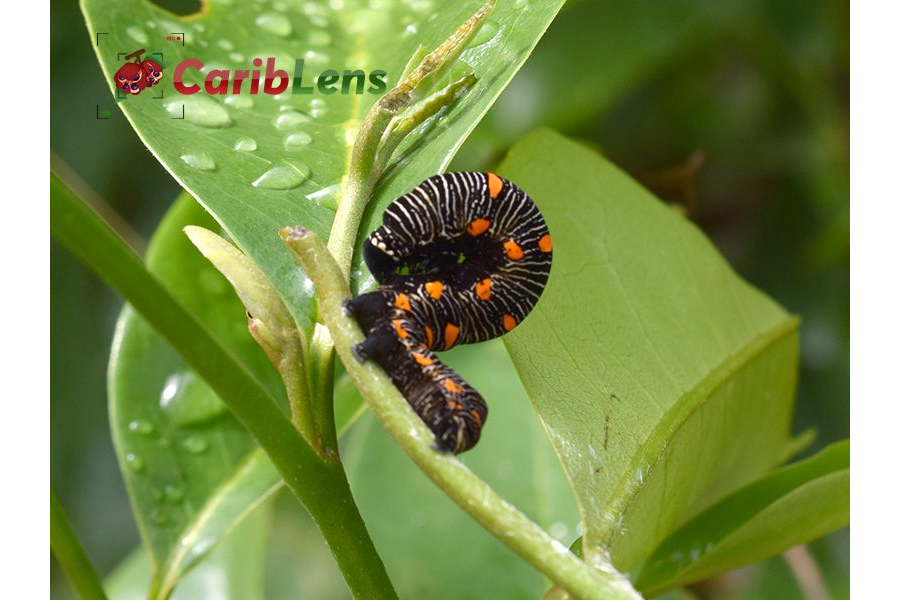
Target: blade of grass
(321, 487)
(71, 555)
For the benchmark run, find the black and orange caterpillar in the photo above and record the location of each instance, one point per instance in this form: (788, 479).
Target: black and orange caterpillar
(462, 258)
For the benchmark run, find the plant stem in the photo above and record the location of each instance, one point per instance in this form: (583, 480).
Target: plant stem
(71, 555)
(366, 165)
(473, 495)
(321, 487)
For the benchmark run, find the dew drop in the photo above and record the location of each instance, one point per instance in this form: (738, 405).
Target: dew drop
(282, 177)
(421, 5)
(291, 118)
(199, 110)
(200, 27)
(520, 4)
(301, 138)
(137, 34)
(327, 196)
(485, 34)
(239, 101)
(141, 426)
(317, 108)
(158, 517)
(319, 38)
(411, 30)
(195, 444)
(225, 45)
(316, 58)
(200, 161)
(151, 24)
(135, 462)
(245, 144)
(173, 494)
(558, 530)
(236, 57)
(188, 400)
(275, 24)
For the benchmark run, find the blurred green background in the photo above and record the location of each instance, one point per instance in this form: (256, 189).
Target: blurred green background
(737, 111)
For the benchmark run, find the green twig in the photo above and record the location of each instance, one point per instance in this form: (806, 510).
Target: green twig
(70, 554)
(473, 495)
(321, 487)
(365, 165)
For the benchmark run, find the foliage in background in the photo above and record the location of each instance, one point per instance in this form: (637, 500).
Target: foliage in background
(789, 172)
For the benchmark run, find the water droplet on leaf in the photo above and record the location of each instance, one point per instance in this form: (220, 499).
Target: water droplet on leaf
(283, 177)
(485, 34)
(199, 110)
(137, 34)
(195, 444)
(291, 118)
(200, 161)
(141, 426)
(274, 23)
(135, 462)
(239, 101)
(188, 400)
(301, 138)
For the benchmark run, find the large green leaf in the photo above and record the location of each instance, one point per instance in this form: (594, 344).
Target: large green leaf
(190, 468)
(432, 548)
(199, 150)
(793, 505)
(664, 380)
(192, 471)
(234, 571)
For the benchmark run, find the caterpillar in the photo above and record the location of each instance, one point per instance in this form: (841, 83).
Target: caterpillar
(462, 258)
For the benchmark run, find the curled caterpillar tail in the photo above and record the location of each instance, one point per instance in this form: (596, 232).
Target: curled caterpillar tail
(462, 258)
(449, 406)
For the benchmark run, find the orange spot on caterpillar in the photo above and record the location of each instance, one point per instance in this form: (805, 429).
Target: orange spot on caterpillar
(478, 226)
(545, 244)
(454, 405)
(495, 184)
(401, 333)
(434, 289)
(422, 359)
(513, 250)
(452, 387)
(509, 322)
(451, 333)
(475, 415)
(402, 302)
(483, 289)
(429, 335)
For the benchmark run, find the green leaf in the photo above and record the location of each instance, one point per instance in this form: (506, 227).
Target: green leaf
(227, 34)
(190, 468)
(164, 430)
(513, 456)
(234, 571)
(664, 380)
(791, 506)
